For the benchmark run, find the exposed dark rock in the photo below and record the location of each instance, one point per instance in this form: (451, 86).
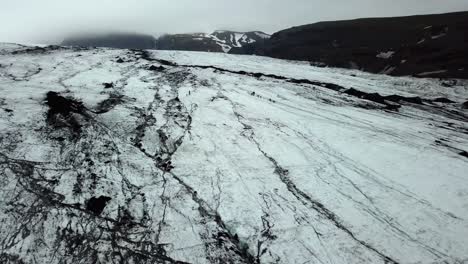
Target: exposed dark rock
(62, 105)
(108, 85)
(156, 68)
(399, 98)
(61, 110)
(465, 105)
(166, 166)
(392, 107)
(257, 75)
(377, 98)
(167, 63)
(97, 205)
(120, 60)
(443, 100)
(464, 154)
(374, 97)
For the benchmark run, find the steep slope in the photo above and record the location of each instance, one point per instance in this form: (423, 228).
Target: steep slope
(428, 45)
(119, 156)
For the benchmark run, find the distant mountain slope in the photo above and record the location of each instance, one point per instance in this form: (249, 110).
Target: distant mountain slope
(428, 45)
(424, 46)
(239, 39)
(113, 40)
(218, 41)
(191, 42)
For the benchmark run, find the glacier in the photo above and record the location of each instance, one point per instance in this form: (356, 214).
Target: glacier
(217, 158)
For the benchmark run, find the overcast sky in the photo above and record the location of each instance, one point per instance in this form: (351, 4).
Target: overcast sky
(33, 21)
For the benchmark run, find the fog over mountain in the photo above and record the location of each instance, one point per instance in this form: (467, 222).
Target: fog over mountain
(49, 21)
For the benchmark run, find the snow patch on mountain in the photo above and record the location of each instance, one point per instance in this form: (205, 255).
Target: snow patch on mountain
(385, 55)
(229, 39)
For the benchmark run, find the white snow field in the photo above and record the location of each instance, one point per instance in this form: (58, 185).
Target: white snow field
(248, 160)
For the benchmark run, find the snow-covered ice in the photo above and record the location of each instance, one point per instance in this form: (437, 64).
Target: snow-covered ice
(187, 164)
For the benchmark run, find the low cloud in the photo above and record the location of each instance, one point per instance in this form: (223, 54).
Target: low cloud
(48, 21)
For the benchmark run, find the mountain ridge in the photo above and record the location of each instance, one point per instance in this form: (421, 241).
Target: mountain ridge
(422, 45)
(217, 41)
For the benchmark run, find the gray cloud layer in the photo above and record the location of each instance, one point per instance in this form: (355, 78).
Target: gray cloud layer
(50, 20)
